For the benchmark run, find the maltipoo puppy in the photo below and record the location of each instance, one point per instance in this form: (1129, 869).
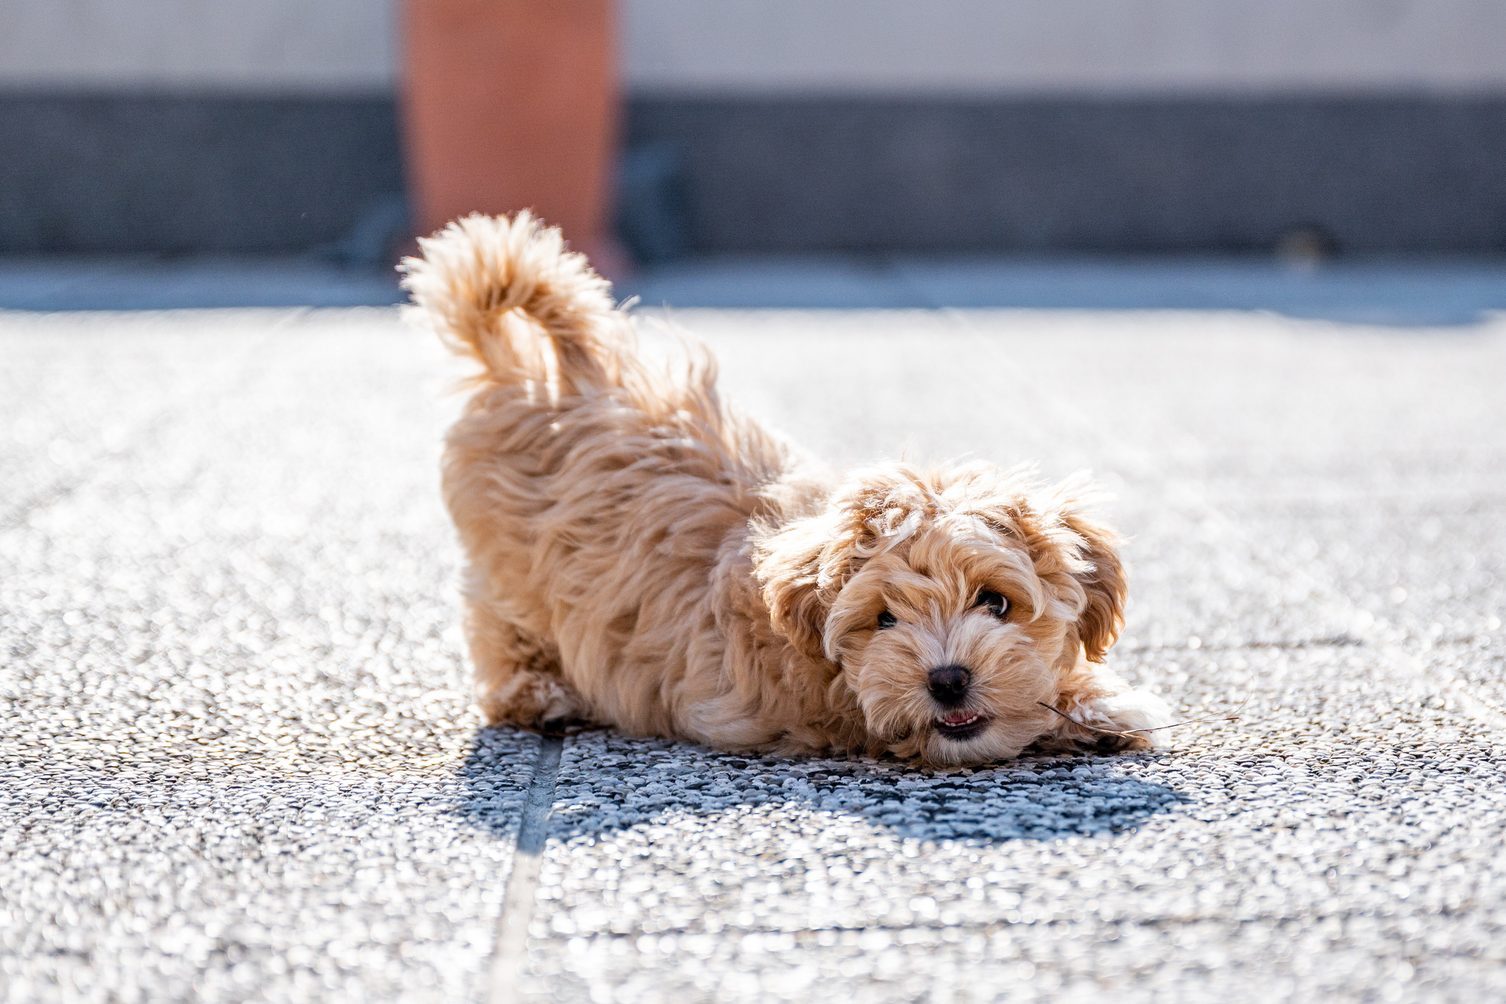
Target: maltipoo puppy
(644, 556)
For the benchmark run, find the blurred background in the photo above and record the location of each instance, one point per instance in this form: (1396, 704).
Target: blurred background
(661, 131)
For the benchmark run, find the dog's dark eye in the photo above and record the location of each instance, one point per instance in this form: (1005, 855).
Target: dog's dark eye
(996, 604)
(886, 620)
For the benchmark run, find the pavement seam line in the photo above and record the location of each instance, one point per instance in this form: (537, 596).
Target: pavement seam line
(510, 954)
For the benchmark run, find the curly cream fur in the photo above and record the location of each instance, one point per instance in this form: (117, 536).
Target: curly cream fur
(641, 555)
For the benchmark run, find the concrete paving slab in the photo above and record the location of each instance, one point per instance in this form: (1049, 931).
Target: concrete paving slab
(1227, 961)
(1430, 572)
(1477, 666)
(1215, 394)
(235, 705)
(245, 885)
(74, 394)
(237, 757)
(1317, 841)
(862, 385)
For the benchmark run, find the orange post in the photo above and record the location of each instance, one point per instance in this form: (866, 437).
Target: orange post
(512, 104)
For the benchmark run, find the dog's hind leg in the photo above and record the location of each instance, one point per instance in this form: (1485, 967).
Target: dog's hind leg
(518, 680)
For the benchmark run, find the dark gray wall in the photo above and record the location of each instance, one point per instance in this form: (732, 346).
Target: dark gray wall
(109, 173)
(1378, 174)
(83, 172)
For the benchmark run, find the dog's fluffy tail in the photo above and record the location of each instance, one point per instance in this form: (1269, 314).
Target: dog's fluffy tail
(507, 293)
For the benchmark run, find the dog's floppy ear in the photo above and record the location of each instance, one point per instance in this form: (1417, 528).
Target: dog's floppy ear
(800, 569)
(803, 567)
(1101, 574)
(1080, 556)
(796, 610)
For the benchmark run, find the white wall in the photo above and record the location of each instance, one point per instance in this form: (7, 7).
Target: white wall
(782, 46)
(992, 46)
(234, 45)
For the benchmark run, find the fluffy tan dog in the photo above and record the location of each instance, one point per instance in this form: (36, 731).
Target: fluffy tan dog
(641, 555)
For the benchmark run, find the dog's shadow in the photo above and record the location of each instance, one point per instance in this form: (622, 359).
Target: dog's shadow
(607, 783)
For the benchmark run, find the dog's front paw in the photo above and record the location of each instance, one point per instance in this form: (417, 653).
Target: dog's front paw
(1110, 723)
(1130, 720)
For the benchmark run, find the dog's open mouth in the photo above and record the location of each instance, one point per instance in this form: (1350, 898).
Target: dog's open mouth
(960, 724)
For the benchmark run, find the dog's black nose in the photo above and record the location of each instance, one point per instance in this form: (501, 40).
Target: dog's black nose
(948, 684)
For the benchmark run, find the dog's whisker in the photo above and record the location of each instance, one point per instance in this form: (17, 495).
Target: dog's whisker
(1232, 716)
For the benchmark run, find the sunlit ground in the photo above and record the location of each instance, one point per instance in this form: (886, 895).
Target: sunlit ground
(237, 754)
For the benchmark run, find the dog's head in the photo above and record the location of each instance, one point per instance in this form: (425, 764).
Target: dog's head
(953, 604)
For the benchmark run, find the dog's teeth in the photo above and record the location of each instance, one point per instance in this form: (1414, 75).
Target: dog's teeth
(955, 723)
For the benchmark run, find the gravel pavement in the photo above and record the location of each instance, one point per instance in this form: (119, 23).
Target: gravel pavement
(238, 759)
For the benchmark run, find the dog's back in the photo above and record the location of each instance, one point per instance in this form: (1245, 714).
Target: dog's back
(594, 494)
